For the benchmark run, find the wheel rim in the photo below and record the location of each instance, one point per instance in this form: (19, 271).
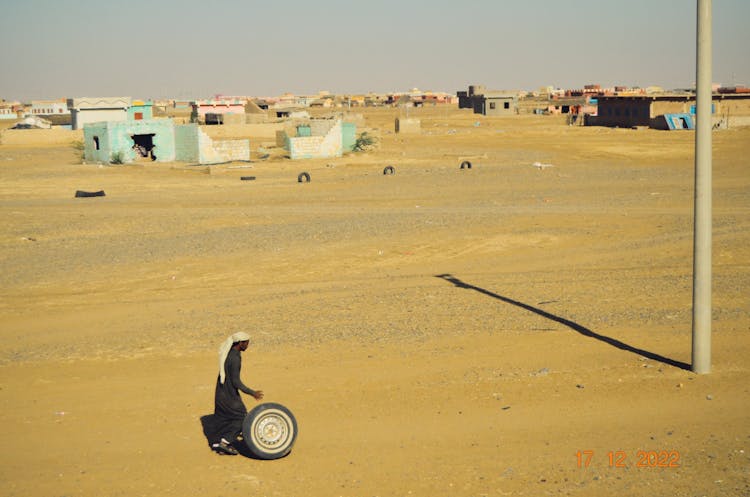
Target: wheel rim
(272, 431)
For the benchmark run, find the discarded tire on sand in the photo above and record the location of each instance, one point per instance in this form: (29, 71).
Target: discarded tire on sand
(389, 170)
(83, 194)
(269, 431)
(303, 178)
(466, 164)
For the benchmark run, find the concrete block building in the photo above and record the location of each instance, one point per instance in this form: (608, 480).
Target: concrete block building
(650, 110)
(49, 108)
(141, 110)
(95, 109)
(158, 140)
(488, 102)
(129, 139)
(8, 111)
(317, 138)
(193, 145)
(215, 107)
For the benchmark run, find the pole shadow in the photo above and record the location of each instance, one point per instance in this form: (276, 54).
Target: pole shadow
(570, 324)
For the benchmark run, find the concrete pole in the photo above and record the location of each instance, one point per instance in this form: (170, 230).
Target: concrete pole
(701, 360)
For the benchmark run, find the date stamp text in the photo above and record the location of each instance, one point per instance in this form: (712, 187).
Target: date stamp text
(623, 459)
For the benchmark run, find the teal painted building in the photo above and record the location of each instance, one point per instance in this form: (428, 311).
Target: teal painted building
(140, 110)
(158, 140)
(103, 140)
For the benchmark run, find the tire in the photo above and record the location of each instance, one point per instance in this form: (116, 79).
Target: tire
(247, 178)
(82, 194)
(389, 170)
(466, 164)
(269, 431)
(303, 178)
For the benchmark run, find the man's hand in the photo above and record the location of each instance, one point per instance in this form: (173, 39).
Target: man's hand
(258, 394)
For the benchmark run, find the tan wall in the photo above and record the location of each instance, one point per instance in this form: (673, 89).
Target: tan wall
(251, 131)
(408, 125)
(660, 107)
(40, 137)
(735, 107)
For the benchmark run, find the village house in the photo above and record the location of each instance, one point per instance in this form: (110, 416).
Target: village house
(317, 138)
(488, 103)
(669, 111)
(213, 111)
(141, 110)
(95, 109)
(157, 140)
(49, 108)
(8, 110)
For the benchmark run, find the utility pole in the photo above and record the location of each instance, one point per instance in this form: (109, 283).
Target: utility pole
(701, 357)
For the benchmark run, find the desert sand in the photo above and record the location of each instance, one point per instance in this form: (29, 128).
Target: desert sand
(504, 330)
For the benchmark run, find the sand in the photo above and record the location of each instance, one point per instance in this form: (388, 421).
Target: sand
(494, 331)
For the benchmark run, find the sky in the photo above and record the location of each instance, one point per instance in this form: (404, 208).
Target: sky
(199, 48)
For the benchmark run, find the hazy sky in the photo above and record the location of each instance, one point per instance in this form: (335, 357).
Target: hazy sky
(198, 48)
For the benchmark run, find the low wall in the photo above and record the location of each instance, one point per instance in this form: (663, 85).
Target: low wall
(231, 150)
(40, 137)
(252, 131)
(408, 125)
(318, 147)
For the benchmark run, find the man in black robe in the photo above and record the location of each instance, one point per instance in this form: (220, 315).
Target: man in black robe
(229, 410)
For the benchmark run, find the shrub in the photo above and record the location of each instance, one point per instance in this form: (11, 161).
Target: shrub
(364, 142)
(79, 148)
(117, 158)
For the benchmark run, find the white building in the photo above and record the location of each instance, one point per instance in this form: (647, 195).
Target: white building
(97, 109)
(48, 108)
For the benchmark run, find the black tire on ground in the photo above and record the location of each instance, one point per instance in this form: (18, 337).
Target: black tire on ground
(269, 431)
(247, 178)
(81, 193)
(466, 164)
(389, 170)
(303, 178)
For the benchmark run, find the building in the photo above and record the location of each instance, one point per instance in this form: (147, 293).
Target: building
(8, 111)
(317, 138)
(496, 104)
(215, 107)
(650, 111)
(488, 103)
(97, 109)
(141, 110)
(49, 108)
(157, 140)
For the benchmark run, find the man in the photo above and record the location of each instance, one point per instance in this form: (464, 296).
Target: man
(229, 410)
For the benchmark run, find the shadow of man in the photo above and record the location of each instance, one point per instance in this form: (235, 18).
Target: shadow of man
(209, 431)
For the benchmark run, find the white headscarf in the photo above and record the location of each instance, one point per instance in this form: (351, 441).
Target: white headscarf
(224, 348)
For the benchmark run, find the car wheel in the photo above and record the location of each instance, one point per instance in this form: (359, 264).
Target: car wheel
(269, 430)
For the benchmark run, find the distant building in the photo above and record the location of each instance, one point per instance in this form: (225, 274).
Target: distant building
(141, 110)
(202, 107)
(650, 110)
(97, 109)
(49, 108)
(488, 103)
(8, 111)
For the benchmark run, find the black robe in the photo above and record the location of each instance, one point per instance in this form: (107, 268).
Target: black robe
(229, 410)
